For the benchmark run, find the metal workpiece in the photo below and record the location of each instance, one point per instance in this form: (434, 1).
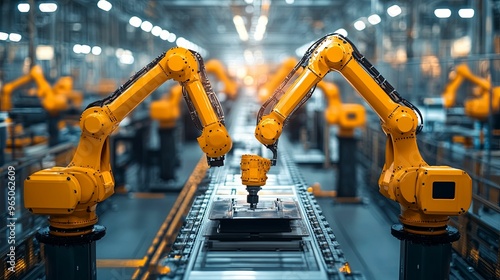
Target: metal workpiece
(285, 236)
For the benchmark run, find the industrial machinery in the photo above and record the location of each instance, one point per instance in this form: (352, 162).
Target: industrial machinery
(282, 236)
(267, 89)
(52, 102)
(69, 195)
(217, 68)
(477, 107)
(167, 111)
(428, 195)
(348, 116)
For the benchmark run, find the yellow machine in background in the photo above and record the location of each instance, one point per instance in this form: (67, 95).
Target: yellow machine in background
(167, 110)
(53, 100)
(348, 116)
(64, 87)
(477, 107)
(53, 103)
(217, 68)
(428, 195)
(69, 195)
(266, 90)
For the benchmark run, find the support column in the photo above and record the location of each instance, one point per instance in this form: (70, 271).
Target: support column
(424, 256)
(347, 174)
(168, 153)
(70, 257)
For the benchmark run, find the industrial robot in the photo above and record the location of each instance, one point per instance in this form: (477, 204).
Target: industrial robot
(167, 111)
(217, 68)
(428, 195)
(69, 195)
(477, 107)
(51, 101)
(348, 117)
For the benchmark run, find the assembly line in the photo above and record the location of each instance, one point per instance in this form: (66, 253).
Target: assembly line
(169, 159)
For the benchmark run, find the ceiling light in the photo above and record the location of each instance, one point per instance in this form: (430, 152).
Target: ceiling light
(23, 7)
(442, 13)
(289, 1)
(171, 37)
(48, 7)
(249, 1)
(96, 50)
(164, 34)
(4, 36)
(466, 13)
(240, 27)
(77, 48)
(341, 31)
(104, 5)
(394, 10)
(374, 19)
(156, 31)
(14, 37)
(359, 25)
(146, 26)
(135, 21)
(85, 49)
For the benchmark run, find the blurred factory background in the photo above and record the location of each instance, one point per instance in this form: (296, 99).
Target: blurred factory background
(58, 57)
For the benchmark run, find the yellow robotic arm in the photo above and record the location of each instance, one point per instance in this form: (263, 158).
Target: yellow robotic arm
(477, 107)
(51, 102)
(230, 87)
(167, 110)
(428, 195)
(267, 89)
(64, 86)
(347, 115)
(69, 195)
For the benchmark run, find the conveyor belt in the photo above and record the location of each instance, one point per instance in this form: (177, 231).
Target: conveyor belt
(204, 250)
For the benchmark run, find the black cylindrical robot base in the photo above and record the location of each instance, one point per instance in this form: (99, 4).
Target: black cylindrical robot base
(347, 175)
(425, 256)
(168, 153)
(71, 257)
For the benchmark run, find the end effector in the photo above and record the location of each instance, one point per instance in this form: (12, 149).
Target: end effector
(254, 175)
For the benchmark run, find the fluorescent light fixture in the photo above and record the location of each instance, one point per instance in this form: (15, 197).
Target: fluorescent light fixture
(77, 48)
(181, 42)
(374, 19)
(442, 13)
(289, 2)
(156, 31)
(48, 7)
(359, 25)
(146, 26)
(261, 28)
(341, 31)
(14, 37)
(164, 35)
(86, 49)
(44, 52)
(394, 10)
(104, 5)
(466, 13)
(240, 27)
(171, 37)
(23, 7)
(4, 36)
(96, 50)
(135, 21)
(126, 57)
